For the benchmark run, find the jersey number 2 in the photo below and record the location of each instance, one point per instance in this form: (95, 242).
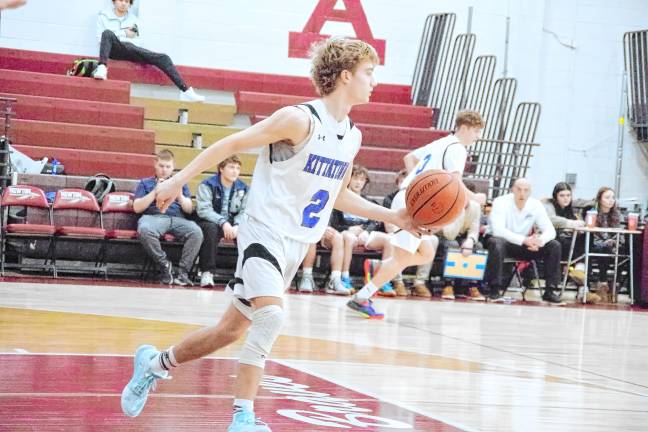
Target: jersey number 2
(318, 201)
(426, 159)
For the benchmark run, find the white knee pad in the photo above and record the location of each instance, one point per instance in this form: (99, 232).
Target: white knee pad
(266, 325)
(243, 308)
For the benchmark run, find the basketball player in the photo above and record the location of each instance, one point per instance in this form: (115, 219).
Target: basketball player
(300, 176)
(449, 154)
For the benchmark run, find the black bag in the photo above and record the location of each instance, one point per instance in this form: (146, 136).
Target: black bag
(100, 185)
(83, 67)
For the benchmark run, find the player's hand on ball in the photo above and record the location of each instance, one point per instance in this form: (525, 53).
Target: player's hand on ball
(166, 193)
(404, 221)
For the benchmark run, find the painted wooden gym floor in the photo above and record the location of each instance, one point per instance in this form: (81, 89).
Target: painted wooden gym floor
(65, 354)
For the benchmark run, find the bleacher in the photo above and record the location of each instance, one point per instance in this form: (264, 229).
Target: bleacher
(94, 126)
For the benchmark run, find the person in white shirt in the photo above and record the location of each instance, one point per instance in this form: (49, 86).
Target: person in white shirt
(521, 229)
(118, 33)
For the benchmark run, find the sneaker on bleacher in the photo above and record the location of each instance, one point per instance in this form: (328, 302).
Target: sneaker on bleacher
(190, 95)
(387, 290)
(166, 273)
(448, 293)
(578, 275)
(400, 288)
(335, 286)
(475, 295)
(421, 290)
(207, 279)
(182, 279)
(101, 73)
(346, 281)
(306, 284)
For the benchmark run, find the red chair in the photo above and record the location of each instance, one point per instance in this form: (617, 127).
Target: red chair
(77, 218)
(119, 219)
(35, 224)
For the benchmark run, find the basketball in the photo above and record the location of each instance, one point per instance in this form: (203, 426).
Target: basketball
(435, 198)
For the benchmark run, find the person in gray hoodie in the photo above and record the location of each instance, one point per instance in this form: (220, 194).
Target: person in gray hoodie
(118, 32)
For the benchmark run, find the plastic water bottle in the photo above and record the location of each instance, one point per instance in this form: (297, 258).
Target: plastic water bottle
(55, 163)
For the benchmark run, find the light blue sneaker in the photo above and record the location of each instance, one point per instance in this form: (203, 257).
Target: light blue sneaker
(347, 282)
(387, 290)
(136, 391)
(245, 421)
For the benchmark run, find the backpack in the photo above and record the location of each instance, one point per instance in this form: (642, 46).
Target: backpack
(100, 185)
(83, 67)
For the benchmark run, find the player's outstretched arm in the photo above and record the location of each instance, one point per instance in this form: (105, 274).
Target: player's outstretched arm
(289, 124)
(410, 160)
(350, 202)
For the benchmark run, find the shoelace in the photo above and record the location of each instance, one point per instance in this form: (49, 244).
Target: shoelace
(148, 381)
(250, 420)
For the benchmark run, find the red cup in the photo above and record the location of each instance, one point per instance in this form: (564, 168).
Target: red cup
(633, 220)
(590, 218)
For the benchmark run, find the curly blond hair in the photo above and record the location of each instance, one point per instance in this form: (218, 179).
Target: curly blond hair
(331, 56)
(469, 118)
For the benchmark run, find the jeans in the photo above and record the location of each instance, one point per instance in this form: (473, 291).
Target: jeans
(212, 234)
(151, 227)
(499, 249)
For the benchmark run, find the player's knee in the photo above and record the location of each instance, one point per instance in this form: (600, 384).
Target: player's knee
(266, 325)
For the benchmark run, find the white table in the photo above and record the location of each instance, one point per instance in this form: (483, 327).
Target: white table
(619, 259)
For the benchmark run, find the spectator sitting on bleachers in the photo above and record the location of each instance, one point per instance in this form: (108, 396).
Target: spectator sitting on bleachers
(332, 240)
(118, 32)
(564, 219)
(512, 220)
(400, 176)
(220, 203)
(153, 224)
(608, 216)
(358, 231)
(397, 282)
(463, 233)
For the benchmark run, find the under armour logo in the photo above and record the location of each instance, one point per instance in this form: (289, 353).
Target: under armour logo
(321, 137)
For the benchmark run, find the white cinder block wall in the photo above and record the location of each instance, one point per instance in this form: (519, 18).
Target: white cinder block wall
(566, 54)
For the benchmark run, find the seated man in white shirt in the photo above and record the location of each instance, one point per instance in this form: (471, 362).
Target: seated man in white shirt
(512, 219)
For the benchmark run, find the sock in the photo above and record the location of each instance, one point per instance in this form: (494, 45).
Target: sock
(163, 362)
(366, 292)
(335, 275)
(346, 275)
(243, 405)
(307, 271)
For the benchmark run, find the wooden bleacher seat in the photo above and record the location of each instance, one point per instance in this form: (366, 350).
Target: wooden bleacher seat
(199, 113)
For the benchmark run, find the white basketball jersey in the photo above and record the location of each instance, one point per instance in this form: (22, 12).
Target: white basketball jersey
(446, 154)
(294, 188)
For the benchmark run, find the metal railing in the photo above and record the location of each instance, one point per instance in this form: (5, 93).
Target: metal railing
(635, 55)
(5, 164)
(453, 81)
(448, 79)
(433, 50)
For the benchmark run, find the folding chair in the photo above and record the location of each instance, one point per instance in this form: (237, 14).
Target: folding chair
(519, 266)
(77, 218)
(35, 225)
(119, 221)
